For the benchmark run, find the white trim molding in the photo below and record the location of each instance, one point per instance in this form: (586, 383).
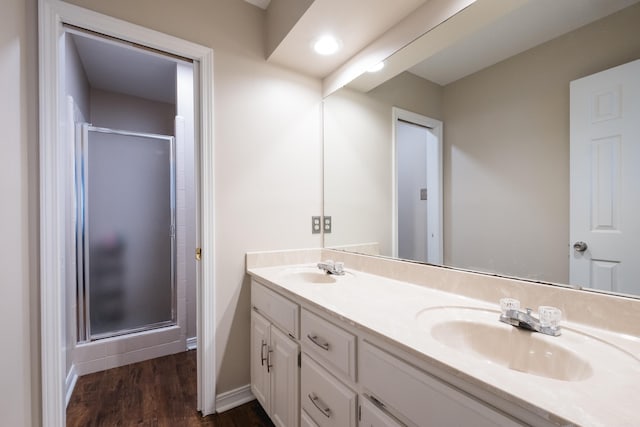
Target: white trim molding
(52, 15)
(192, 343)
(70, 384)
(233, 398)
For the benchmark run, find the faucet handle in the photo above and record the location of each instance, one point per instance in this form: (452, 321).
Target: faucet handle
(339, 267)
(549, 316)
(507, 304)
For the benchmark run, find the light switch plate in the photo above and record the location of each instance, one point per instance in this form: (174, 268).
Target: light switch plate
(423, 194)
(316, 226)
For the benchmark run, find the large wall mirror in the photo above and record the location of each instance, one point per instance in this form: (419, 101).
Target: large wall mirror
(500, 90)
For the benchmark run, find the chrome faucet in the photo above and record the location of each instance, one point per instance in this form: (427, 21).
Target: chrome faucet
(546, 322)
(331, 267)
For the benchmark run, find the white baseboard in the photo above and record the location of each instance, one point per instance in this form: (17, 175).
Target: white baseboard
(231, 399)
(70, 383)
(192, 343)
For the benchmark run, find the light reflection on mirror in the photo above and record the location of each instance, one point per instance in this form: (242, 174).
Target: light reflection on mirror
(505, 153)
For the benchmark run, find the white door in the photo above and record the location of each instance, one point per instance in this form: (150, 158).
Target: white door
(605, 180)
(411, 157)
(417, 214)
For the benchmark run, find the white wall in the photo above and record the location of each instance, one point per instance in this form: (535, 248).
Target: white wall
(186, 209)
(78, 94)
(76, 81)
(267, 156)
(19, 359)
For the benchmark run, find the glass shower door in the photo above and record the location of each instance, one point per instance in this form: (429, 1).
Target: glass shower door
(127, 232)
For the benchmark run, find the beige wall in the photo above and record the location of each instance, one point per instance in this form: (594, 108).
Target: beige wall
(19, 359)
(267, 156)
(357, 194)
(357, 145)
(268, 173)
(119, 111)
(506, 151)
(412, 93)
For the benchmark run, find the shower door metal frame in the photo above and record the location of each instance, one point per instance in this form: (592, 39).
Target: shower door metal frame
(83, 284)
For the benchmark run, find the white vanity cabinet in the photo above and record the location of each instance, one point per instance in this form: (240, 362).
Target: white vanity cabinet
(371, 415)
(275, 374)
(418, 398)
(331, 345)
(328, 362)
(306, 420)
(326, 399)
(345, 376)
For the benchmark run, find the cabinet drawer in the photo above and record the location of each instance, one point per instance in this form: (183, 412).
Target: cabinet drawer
(419, 397)
(372, 416)
(306, 421)
(276, 308)
(329, 344)
(327, 401)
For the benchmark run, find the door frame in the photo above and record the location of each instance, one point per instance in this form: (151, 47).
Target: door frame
(52, 14)
(435, 127)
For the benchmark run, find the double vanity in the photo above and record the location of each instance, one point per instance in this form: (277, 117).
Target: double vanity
(393, 343)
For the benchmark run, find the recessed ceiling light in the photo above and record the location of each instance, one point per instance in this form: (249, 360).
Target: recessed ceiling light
(379, 66)
(326, 45)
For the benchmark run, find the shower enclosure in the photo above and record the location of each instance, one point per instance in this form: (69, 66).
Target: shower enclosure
(125, 187)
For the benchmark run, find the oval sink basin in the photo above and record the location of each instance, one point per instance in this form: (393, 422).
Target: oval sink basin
(479, 334)
(513, 348)
(311, 275)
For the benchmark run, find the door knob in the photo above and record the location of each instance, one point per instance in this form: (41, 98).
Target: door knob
(580, 246)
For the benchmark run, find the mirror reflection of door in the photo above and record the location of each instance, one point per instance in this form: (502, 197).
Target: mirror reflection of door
(417, 188)
(605, 180)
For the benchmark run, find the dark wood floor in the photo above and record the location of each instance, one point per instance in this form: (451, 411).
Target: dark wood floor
(158, 392)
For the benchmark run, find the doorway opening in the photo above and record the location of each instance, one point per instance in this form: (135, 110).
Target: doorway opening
(417, 187)
(130, 120)
(59, 120)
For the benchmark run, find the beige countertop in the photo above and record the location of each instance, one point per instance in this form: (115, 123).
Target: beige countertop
(403, 313)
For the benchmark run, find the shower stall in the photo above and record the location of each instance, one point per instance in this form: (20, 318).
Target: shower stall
(126, 232)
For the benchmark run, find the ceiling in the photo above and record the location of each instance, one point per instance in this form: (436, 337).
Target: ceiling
(360, 24)
(530, 25)
(262, 4)
(356, 23)
(147, 75)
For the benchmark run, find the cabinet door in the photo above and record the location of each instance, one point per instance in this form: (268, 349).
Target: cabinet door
(285, 380)
(371, 416)
(259, 348)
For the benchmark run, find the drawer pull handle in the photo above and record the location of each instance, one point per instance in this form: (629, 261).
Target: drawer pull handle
(326, 411)
(319, 342)
(262, 358)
